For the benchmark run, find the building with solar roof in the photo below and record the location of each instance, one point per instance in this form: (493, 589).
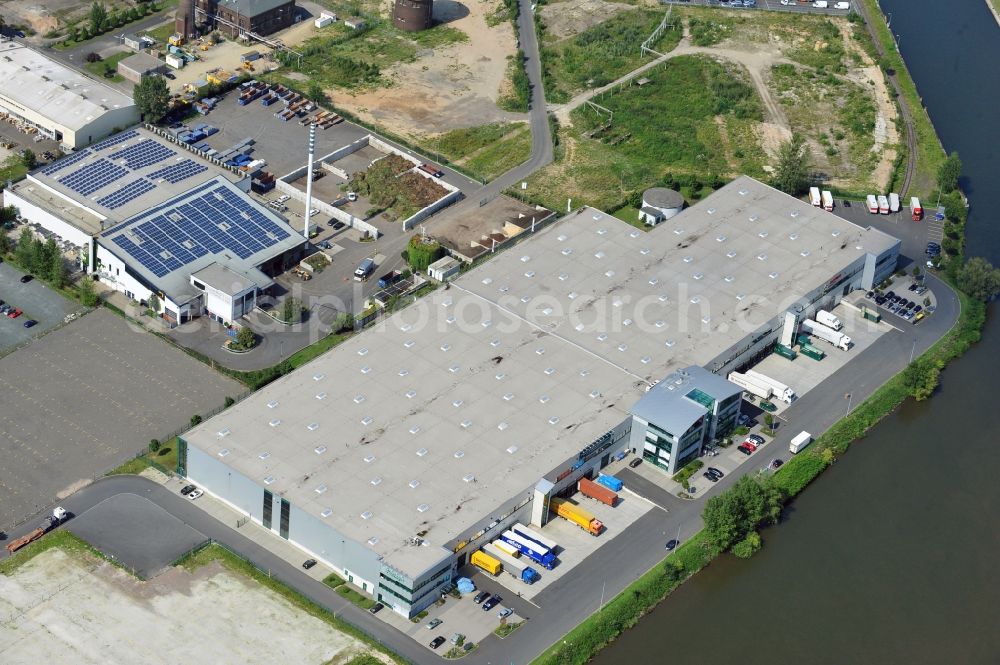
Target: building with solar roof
(60, 102)
(396, 455)
(152, 216)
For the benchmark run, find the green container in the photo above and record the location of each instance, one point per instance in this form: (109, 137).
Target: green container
(812, 352)
(802, 340)
(784, 352)
(871, 315)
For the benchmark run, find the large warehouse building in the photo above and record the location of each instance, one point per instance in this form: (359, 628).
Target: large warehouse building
(397, 454)
(60, 103)
(152, 216)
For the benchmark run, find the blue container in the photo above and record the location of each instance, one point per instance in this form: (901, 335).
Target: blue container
(610, 482)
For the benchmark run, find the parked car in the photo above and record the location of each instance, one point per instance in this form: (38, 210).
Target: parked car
(338, 225)
(480, 597)
(672, 544)
(711, 476)
(712, 469)
(436, 642)
(457, 637)
(434, 623)
(776, 463)
(756, 439)
(743, 420)
(30, 323)
(195, 494)
(376, 608)
(767, 406)
(491, 603)
(751, 445)
(634, 463)
(187, 489)
(504, 613)
(26, 278)
(744, 449)
(308, 563)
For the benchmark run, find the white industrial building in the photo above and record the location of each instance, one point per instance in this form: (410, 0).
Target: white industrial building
(59, 102)
(152, 216)
(397, 454)
(660, 204)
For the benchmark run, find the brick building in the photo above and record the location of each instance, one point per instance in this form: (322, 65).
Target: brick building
(234, 17)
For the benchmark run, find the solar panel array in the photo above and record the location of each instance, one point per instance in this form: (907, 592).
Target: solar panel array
(144, 153)
(94, 176)
(114, 140)
(179, 171)
(210, 222)
(66, 161)
(129, 192)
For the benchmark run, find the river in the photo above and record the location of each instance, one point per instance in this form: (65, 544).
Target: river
(891, 555)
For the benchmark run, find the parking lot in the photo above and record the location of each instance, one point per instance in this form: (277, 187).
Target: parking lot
(36, 301)
(797, 6)
(85, 398)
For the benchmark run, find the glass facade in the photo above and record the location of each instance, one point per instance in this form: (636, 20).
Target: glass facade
(266, 513)
(286, 509)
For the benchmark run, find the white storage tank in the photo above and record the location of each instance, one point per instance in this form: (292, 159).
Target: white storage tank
(659, 204)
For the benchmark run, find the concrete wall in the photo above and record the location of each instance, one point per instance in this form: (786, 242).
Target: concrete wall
(285, 186)
(446, 200)
(47, 220)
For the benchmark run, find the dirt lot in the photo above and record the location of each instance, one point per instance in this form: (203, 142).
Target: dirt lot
(40, 15)
(73, 608)
(571, 17)
(451, 87)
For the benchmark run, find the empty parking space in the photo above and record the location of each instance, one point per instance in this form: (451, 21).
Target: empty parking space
(36, 301)
(86, 397)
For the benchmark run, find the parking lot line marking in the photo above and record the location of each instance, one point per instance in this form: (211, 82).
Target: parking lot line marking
(649, 501)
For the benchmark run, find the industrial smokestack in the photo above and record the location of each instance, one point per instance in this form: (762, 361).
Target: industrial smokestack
(309, 178)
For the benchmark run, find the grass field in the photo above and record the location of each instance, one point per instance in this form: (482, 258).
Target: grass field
(460, 143)
(602, 53)
(677, 123)
(500, 156)
(12, 169)
(107, 66)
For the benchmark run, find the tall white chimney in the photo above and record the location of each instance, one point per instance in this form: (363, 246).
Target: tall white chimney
(309, 179)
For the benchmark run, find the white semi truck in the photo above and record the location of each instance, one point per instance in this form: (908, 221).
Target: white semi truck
(780, 390)
(761, 390)
(839, 340)
(828, 319)
(800, 441)
(827, 197)
(814, 196)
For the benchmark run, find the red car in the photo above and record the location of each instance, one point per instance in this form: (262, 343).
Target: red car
(14, 313)
(751, 445)
(743, 448)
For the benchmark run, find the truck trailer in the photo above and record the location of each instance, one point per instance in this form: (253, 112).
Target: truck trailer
(893, 202)
(577, 515)
(610, 482)
(507, 548)
(816, 329)
(58, 516)
(800, 441)
(531, 534)
(780, 390)
(828, 319)
(916, 212)
(515, 567)
(748, 384)
(481, 559)
(827, 197)
(814, 196)
(883, 205)
(872, 203)
(530, 549)
(592, 490)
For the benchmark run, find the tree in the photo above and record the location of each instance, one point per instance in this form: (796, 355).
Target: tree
(421, 253)
(746, 547)
(29, 159)
(36, 258)
(154, 445)
(949, 173)
(916, 271)
(315, 92)
(88, 296)
(152, 97)
(73, 34)
(5, 243)
(769, 421)
(153, 302)
(791, 174)
(245, 338)
(343, 321)
(732, 515)
(979, 279)
(291, 310)
(54, 268)
(195, 419)
(97, 17)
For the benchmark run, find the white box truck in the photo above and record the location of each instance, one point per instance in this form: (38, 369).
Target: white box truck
(828, 319)
(893, 202)
(816, 329)
(872, 204)
(761, 390)
(827, 197)
(800, 441)
(814, 196)
(883, 205)
(780, 390)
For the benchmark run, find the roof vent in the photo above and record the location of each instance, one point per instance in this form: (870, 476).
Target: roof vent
(508, 397)
(320, 489)
(409, 343)
(268, 480)
(224, 432)
(414, 484)
(373, 541)
(445, 346)
(274, 423)
(804, 252)
(410, 394)
(326, 512)
(423, 508)
(264, 455)
(466, 424)
(529, 274)
(457, 403)
(377, 480)
(543, 399)
(320, 395)
(549, 371)
(367, 515)
(487, 281)
(223, 452)
(414, 430)
(731, 254)
(729, 279)
(369, 459)
(512, 450)
(660, 323)
(459, 454)
(363, 352)
(273, 403)
(422, 452)
(358, 399)
(367, 420)
(404, 372)
(319, 450)
(644, 251)
(312, 427)
(793, 236)
(319, 377)
(468, 478)
(525, 258)
(669, 343)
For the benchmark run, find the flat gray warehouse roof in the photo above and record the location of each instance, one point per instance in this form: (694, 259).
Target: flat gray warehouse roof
(435, 417)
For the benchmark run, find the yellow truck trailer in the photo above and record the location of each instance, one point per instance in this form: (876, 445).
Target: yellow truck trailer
(486, 562)
(577, 515)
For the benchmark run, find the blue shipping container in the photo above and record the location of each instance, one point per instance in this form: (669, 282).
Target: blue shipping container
(610, 482)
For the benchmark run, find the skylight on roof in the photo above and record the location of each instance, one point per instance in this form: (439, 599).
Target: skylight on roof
(326, 512)
(543, 399)
(312, 427)
(549, 371)
(369, 459)
(554, 420)
(678, 231)
(358, 399)
(223, 452)
(363, 352)
(367, 420)
(273, 403)
(602, 231)
(377, 480)
(502, 426)
(772, 275)
(404, 372)
(415, 430)
(688, 259)
(669, 343)
(264, 455)
(487, 281)
(466, 424)
(366, 369)
(793, 236)
(525, 258)
(731, 254)
(529, 274)
(320, 395)
(414, 484)
(468, 478)
(729, 279)
(711, 211)
(508, 397)
(320, 489)
(422, 452)
(457, 403)
(423, 508)
(319, 377)
(319, 450)
(408, 343)
(459, 454)
(373, 541)
(445, 347)
(494, 343)
(804, 252)
(567, 251)
(762, 234)
(511, 450)
(584, 372)
(660, 323)
(609, 274)
(410, 394)
(753, 218)
(274, 423)
(268, 480)
(224, 432)
(762, 257)
(367, 515)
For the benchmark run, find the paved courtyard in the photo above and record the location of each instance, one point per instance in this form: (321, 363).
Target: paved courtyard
(36, 300)
(85, 398)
